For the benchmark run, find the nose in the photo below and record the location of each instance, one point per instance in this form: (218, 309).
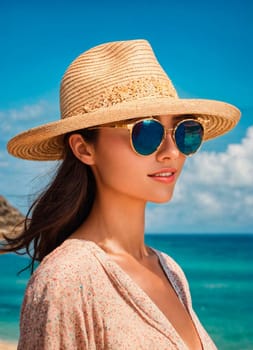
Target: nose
(168, 148)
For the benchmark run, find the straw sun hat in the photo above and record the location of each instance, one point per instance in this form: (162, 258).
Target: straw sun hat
(112, 82)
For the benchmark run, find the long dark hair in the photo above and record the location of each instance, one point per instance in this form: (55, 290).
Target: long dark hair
(60, 209)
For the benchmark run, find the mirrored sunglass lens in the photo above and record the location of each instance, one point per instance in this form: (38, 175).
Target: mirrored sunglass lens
(188, 136)
(147, 136)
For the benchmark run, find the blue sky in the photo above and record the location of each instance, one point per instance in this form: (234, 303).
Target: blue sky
(205, 47)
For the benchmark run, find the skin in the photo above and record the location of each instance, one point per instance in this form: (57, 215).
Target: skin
(123, 189)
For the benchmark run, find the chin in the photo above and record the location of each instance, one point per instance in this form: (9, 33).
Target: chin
(162, 199)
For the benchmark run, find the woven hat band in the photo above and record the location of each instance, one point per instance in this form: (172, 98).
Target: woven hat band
(133, 90)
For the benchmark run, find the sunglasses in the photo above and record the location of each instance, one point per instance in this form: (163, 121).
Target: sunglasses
(147, 135)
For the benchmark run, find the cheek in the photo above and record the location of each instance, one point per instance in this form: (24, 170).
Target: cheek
(115, 161)
(181, 161)
(118, 168)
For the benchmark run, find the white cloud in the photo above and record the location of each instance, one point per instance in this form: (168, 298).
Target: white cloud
(13, 121)
(26, 112)
(4, 158)
(19, 178)
(232, 168)
(3, 164)
(214, 194)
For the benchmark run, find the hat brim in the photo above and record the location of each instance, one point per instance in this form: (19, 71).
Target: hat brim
(46, 142)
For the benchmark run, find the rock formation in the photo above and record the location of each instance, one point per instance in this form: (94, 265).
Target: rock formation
(9, 217)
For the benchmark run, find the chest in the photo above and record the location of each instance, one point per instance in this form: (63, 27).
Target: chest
(155, 284)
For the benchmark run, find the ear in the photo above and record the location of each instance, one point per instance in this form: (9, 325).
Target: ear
(82, 150)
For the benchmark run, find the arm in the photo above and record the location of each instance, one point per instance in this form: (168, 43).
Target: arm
(54, 315)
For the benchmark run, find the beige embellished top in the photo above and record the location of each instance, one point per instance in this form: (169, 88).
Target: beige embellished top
(79, 298)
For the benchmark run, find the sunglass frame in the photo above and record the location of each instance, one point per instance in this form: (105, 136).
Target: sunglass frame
(130, 126)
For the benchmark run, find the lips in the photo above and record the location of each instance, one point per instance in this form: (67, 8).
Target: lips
(163, 173)
(164, 176)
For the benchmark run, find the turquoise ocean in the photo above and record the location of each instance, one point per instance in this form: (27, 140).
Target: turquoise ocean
(219, 269)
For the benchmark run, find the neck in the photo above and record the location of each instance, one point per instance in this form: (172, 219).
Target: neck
(117, 224)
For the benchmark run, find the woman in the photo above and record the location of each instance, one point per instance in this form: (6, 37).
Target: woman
(123, 139)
